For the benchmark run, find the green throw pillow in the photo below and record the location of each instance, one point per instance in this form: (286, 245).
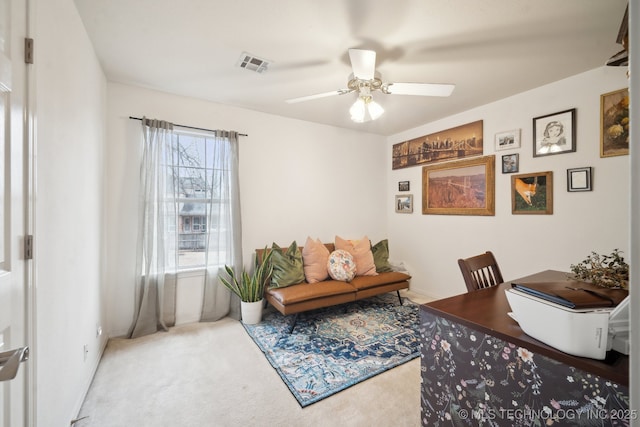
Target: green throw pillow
(381, 256)
(288, 268)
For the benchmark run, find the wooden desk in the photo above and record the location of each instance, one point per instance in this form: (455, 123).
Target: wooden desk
(475, 358)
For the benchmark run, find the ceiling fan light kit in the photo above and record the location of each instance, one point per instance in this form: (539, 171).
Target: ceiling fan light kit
(365, 109)
(365, 79)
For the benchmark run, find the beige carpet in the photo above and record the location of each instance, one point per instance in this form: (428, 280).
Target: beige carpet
(213, 374)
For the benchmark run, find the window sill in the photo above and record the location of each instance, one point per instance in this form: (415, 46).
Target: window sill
(192, 272)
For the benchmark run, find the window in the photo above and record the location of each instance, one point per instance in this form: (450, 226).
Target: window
(199, 198)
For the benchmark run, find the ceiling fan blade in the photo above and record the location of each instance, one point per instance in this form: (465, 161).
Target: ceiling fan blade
(420, 89)
(317, 96)
(363, 63)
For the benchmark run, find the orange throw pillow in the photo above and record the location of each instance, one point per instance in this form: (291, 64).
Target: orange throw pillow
(314, 258)
(362, 255)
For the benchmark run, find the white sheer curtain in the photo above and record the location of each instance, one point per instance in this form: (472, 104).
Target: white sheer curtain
(224, 243)
(156, 254)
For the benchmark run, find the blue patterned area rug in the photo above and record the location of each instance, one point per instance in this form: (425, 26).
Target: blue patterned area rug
(334, 348)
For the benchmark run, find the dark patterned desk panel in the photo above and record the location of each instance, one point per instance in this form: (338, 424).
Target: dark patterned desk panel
(479, 368)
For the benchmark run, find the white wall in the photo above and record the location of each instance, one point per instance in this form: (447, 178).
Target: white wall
(297, 179)
(581, 222)
(70, 113)
(634, 63)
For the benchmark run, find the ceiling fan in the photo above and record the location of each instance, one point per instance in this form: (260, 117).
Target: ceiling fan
(365, 79)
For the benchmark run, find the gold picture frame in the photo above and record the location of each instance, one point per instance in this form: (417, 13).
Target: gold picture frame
(614, 123)
(532, 193)
(462, 187)
(454, 143)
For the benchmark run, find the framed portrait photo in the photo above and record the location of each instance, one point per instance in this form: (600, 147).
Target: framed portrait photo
(403, 186)
(579, 179)
(404, 203)
(532, 193)
(507, 140)
(554, 133)
(510, 163)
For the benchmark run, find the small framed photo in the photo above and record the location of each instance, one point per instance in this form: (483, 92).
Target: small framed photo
(404, 203)
(403, 186)
(508, 140)
(554, 133)
(614, 123)
(532, 193)
(510, 163)
(579, 179)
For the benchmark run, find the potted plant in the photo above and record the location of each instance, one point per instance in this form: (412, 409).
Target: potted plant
(250, 287)
(608, 271)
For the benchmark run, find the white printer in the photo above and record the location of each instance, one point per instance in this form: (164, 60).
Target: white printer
(585, 332)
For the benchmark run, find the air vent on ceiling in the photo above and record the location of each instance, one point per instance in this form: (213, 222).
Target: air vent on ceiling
(253, 63)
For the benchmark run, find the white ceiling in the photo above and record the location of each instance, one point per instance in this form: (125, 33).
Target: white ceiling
(490, 49)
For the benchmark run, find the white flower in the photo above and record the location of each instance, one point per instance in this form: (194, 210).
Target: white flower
(525, 355)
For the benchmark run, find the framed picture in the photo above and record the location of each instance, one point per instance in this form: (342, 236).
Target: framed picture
(554, 133)
(404, 203)
(403, 186)
(507, 140)
(510, 163)
(462, 187)
(532, 193)
(579, 179)
(455, 143)
(614, 123)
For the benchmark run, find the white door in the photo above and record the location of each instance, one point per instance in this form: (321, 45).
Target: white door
(14, 403)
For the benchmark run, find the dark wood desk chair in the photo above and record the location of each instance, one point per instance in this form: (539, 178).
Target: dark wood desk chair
(480, 271)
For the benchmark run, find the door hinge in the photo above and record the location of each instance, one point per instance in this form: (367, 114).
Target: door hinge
(28, 246)
(28, 51)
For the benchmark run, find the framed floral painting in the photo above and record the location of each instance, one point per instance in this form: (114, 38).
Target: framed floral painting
(614, 123)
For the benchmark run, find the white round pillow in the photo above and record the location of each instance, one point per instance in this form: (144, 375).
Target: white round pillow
(341, 266)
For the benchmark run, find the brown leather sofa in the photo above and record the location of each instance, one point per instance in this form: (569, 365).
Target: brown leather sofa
(305, 296)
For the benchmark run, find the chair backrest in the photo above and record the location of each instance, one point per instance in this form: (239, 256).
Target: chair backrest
(480, 271)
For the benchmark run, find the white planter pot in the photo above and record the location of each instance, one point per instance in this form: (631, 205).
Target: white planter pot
(251, 312)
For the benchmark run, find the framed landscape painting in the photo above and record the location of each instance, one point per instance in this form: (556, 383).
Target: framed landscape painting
(462, 187)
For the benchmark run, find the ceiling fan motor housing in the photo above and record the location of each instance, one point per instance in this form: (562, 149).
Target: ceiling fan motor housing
(364, 87)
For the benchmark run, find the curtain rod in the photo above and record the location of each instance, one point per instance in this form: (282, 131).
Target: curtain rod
(188, 127)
